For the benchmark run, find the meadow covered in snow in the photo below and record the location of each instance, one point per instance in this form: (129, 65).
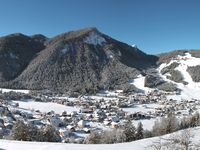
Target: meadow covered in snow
(155, 143)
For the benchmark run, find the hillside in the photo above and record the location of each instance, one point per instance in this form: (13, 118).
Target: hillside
(83, 61)
(86, 61)
(16, 52)
(177, 72)
(150, 144)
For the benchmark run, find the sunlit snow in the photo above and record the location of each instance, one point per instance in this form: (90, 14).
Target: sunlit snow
(94, 38)
(144, 144)
(3, 90)
(65, 49)
(192, 89)
(139, 83)
(45, 107)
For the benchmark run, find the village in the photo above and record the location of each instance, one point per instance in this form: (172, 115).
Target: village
(103, 111)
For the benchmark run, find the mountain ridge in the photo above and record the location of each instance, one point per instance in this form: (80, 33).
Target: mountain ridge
(82, 61)
(16, 51)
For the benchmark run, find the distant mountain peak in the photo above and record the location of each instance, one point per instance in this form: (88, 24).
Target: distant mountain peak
(88, 29)
(134, 45)
(71, 35)
(82, 32)
(38, 36)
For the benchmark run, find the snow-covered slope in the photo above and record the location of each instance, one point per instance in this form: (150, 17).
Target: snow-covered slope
(192, 89)
(139, 83)
(145, 144)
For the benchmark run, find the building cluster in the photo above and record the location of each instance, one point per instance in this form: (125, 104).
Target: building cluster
(95, 113)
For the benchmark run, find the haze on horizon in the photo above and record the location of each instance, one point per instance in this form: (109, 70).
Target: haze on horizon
(154, 26)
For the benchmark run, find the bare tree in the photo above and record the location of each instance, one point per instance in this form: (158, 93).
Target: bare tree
(165, 125)
(106, 137)
(159, 144)
(181, 140)
(177, 141)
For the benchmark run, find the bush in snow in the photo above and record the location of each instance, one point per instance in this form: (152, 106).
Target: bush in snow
(165, 125)
(113, 136)
(177, 141)
(93, 138)
(24, 132)
(106, 137)
(195, 120)
(29, 132)
(192, 121)
(49, 134)
(20, 131)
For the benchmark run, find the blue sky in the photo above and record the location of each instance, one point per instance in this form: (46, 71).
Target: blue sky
(155, 26)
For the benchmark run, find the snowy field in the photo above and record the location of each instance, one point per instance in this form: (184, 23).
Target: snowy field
(145, 144)
(145, 108)
(9, 90)
(139, 83)
(45, 107)
(147, 123)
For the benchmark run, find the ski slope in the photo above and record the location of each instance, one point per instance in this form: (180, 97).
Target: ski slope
(192, 89)
(189, 91)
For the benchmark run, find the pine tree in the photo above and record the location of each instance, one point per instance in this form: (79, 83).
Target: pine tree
(129, 131)
(139, 131)
(93, 138)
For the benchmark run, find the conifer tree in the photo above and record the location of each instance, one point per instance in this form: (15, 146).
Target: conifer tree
(139, 131)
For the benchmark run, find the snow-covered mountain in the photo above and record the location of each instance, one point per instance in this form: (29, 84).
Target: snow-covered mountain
(86, 61)
(82, 61)
(180, 71)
